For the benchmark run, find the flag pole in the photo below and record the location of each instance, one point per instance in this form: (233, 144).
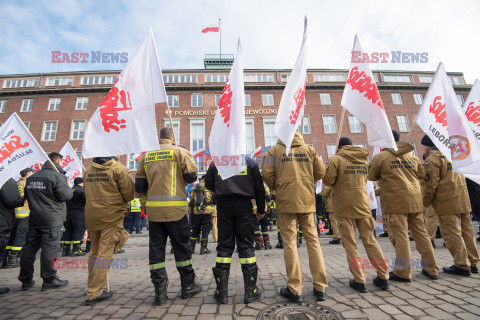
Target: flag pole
(341, 124)
(220, 30)
(171, 122)
(411, 129)
(302, 124)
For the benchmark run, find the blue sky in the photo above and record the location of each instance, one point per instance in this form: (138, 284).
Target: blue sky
(270, 31)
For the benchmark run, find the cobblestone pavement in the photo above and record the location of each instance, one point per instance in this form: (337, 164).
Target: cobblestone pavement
(449, 297)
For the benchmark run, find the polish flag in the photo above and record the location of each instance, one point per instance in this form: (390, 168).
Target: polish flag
(291, 106)
(124, 122)
(199, 153)
(211, 28)
(140, 154)
(257, 151)
(362, 99)
(443, 120)
(227, 139)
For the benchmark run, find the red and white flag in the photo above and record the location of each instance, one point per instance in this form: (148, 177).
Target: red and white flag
(472, 109)
(71, 163)
(124, 122)
(443, 120)
(18, 148)
(211, 28)
(257, 151)
(227, 141)
(362, 99)
(199, 153)
(290, 111)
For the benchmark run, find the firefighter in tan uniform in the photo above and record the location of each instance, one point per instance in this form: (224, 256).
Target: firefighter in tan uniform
(328, 193)
(399, 174)
(203, 208)
(292, 177)
(347, 175)
(447, 192)
(160, 184)
(431, 223)
(18, 236)
(108, 189)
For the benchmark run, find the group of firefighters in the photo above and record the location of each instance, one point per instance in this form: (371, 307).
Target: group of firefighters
(240, 210)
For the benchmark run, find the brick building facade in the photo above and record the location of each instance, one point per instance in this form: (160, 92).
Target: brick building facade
(57, 106)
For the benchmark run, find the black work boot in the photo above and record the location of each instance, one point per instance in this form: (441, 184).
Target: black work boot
(203, 247)
(77, 251)
(161, 292)
(4, 259)
(384, 235)
(334, 241)
(104, 296)
(193, 243)
(357, 286)
(66, 250)
(53, 283)
(252, 292)
(458, 271)
(189, 287)
(381, 283)
(280, 242)
(266, 242)
(258, 243)
(88, 245)
(4, 290)
(221, 279)
(13, 260)
(27, 285)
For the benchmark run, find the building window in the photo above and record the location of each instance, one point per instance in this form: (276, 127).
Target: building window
(98, 80)
(49, 130)
(397, 98)
(248, 100)
(414, 151)
(330, 77)
(361, 145)
(176, 128)
(27, 124)
(217, 99)
(79, 155)
(355, 124)
(250, 133)
(78, 129)
(402, 121)
(173, 100)
(396, 78)
(82, 103)
(180, 78)
(331, 148)
(284, 77)
(325, 99)
(258, 78)
(418, 97)
(461, 100)
(132, 165)
(216, 78)
(197, 100)
(306, 125)
(425, 79)
(269, 131)
(20, 83)
(27, 105)
(455, 80)
(267, 99)
(60, 81)
(197, 140)
(54, 104)
(3, 106)
(329, 125)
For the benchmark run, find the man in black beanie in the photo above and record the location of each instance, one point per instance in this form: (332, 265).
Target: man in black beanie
(75, 223)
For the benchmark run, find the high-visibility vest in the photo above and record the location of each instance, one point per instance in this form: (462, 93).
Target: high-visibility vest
(135, 205)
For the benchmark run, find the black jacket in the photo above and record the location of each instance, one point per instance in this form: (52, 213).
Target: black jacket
(9, 200)
(46, 192)
(78, 201)
(235, 193)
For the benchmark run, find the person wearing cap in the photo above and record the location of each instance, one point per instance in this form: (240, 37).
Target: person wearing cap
(347, 175)
(292, 177)
(75, 223)
(109, 188)
(399, 174)
(447, 192)
(18, 235)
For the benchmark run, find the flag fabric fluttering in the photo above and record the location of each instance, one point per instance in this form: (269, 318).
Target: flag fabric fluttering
(227, 141)
(211, 28)
(124, 122)
(257, 151)
(18, 148)
(443, 120)
(71, 163)
(362, 99)
(291, 109)
(472, 109)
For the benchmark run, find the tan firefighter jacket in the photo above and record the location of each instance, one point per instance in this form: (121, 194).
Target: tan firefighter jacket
(328, 193)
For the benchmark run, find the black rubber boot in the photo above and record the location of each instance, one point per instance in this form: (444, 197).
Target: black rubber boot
(266, 242)
(252, 292)
(77, 251)
(193, 243)
(4, 259)
(13, 260)
(280, 242)
(203, 247)
(88, 245)
(258, 242)
(221, 279)
(161, 292)
(66, 250)
(189, 287)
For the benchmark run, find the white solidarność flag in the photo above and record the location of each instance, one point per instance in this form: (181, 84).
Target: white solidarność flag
(125, 120)
(362, 99)
(472, 109)
(18, 148)
(227, 141)
(442, 119)
(290, 111)
(71, 163)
